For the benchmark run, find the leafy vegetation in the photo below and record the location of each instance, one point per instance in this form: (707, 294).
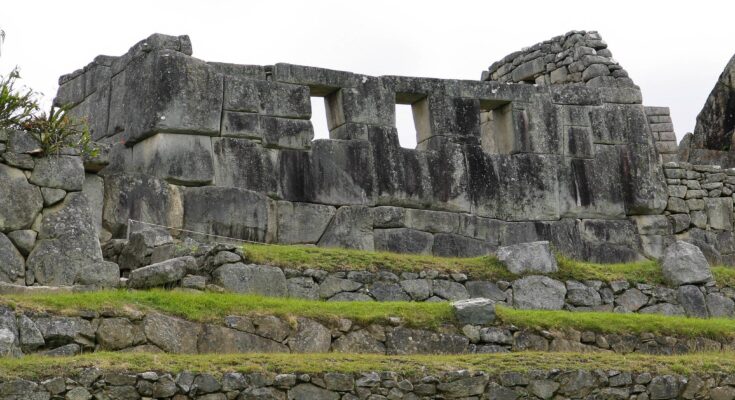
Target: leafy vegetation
(36, 367)
(53, 131)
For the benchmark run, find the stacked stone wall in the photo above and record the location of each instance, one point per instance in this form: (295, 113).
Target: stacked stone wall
(453, 384)
(576, 57)
(662, 129)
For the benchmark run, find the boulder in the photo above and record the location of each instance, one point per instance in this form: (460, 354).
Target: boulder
(692, 299)
(251, 278)
(67, 242)
(100, 273)
(534, 257)
(118, 334)
(683, 263)
(474, 311)
(31, 337)
(162, 273)
(52, 196)
(386, 291)
(59, 172)
(537, 292)
(9, 337)
(450, 290)
(307, 391)
(20, 202)
(12, 264)
(24, 240)
(59, 331)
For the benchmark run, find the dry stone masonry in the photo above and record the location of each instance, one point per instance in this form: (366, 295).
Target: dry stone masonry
(496, 163)
(453, 384)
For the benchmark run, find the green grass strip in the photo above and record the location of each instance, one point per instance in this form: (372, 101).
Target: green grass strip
(714, 328)
(212, 307)
(209, 306)
(35, 367)
(486, 268)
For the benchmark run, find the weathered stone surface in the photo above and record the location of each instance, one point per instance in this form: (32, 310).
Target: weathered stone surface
(683, 263)
(692, 299)
(100, 273)
(450, 290)
(31, 337)
(310, 337)
(719, 213)
(9, 337)
(485, 289)
(24, 240)
(165, 91)
(715, 123)
(720, 306)
(21, 202)
(538, 293)
(418, 289)
(307, 391)
(351, 227)
(534, 257)
(66, 243)
(173, 335)
(142, 198)
(52, 196)
(417, 341)
(632, 299)
(12, 264)
(386, 291)
(302, 222)
(59, 331)
(241, 214)
(474, 311)
(176, 158)
(118, 333)
(253, 279)
(59, 172)
(358, 342)
(403, 240)
(162, 273)
(218, 339)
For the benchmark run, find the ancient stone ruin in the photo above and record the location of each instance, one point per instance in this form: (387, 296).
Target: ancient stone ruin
(550, 151)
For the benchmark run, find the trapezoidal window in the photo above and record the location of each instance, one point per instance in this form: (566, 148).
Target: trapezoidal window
(412, 119)
(496, 127)
(319, 118)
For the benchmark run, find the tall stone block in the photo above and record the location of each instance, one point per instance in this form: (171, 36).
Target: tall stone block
(242, 163)
(342, 172)
(230, 212)
(165, 91)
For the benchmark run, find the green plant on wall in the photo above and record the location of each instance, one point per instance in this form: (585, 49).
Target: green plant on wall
(54, 131)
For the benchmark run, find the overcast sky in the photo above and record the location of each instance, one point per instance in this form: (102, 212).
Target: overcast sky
(673, 50)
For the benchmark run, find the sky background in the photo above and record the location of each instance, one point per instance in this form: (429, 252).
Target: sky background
(673, 50)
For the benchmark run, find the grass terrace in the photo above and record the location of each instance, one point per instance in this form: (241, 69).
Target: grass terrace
(35, 367)
(213, 307)
(486, 267)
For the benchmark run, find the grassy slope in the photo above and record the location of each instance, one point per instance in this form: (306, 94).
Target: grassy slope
(212, 307)
(40, 367)
(488, 267)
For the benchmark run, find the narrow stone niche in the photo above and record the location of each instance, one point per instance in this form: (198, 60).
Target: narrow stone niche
(496, 128)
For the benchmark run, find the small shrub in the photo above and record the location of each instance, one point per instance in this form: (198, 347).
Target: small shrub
(53, 131)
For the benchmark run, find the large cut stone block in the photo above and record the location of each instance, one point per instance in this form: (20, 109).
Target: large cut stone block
(403, 240)
(95, 111)
(285, 133)
(302, 222)
(242, 163)
(448, 178)
(620, 124)
(140, 197)
(175, 158)
(644, 185)
(67, 243)
(453, 245)
(267, 97)
(442, 116)
(351, 227)
(94, 191)
(321, 81)
(523, 258)
(231, 212)
(592, 188)
(165, 91)
(342, 172)
(20, 202)
(368, 103)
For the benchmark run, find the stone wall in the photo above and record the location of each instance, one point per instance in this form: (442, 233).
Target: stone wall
(48, 234)
(662, 129)
(495, 164)
(43, 333)
(576, 57)
(700, 210)
(453, 384)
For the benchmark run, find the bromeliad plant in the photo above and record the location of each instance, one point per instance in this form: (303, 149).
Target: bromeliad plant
(53, 131)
